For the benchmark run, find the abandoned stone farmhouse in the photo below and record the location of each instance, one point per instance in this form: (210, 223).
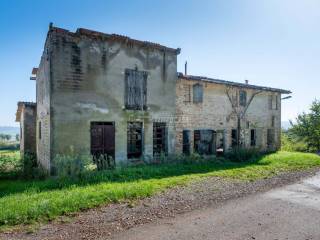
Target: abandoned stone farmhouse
(107, 94)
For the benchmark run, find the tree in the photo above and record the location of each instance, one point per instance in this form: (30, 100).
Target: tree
(307, 127)
(6, 137)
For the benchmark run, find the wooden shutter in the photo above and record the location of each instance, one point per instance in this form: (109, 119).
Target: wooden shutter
(197, 93)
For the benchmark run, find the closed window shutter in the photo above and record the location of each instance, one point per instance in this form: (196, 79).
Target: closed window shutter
(197, 93)
(135, 89)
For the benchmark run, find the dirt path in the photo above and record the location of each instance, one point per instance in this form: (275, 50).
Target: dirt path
(108, 221)
(291, 212)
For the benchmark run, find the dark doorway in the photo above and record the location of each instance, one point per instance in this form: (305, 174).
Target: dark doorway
(159, 139)
(135, 138)
(205, 142)
(186, 142)
(103, 144)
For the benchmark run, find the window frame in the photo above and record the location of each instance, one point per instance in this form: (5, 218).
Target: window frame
(131, 133)
(198, 91)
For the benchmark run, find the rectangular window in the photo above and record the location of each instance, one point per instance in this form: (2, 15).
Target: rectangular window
(204, 142)
(186, 142)
(273, 120)
(135, 89)
(134, 139)
(159, 139)
(253, 137)
(234, 137)
(242, 98)
(273, 102)
(39, 130)
(187, 93)
(270, 137)
(197, 93)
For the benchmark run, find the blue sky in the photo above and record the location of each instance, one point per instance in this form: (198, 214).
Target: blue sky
(269, 42)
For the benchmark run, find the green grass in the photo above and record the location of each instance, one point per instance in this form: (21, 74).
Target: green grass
(9, 163)
(24, 202)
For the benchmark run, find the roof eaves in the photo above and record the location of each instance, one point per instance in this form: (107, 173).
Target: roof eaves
(236, 84)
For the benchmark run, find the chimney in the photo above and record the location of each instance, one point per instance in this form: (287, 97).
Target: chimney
(186, 68)
(247, 81)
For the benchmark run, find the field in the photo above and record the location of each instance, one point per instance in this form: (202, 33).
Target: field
(24, 202)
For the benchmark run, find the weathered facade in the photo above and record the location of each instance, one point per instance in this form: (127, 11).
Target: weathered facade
(27, 115)
(211, 113)
(106, 94)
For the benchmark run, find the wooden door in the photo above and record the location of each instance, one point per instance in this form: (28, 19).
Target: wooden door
(103, 140)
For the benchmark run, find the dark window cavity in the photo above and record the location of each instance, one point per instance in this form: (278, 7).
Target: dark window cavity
(159, 139)
(273, 102)
(39, 130)
(186, 135)
(234, 137)
(253, 137)
(273, 120)
(197, 93)
(135, 89)
(135, 139)
(204, 142)
(243, 98)
(270, 137)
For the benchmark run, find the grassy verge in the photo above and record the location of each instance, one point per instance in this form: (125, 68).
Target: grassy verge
(9, 163)
(29, 201)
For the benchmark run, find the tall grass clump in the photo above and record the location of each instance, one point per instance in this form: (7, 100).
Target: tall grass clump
(239, 154)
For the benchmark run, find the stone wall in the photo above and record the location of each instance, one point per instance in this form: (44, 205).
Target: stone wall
(28, 130)
(43, 85)
(87, 85)
(217, 113)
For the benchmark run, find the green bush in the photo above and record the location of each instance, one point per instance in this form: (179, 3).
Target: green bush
(30, 167)
(239, 154)
(71, 166)
(291, 143)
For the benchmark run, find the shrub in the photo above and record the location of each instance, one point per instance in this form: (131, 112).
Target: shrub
(71, 166)
(30, 167)
(290, 143)
(240, 154)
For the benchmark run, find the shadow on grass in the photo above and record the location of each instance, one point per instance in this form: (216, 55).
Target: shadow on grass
(128, 174)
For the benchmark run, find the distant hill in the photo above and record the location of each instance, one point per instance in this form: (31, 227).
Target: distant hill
(10, 130)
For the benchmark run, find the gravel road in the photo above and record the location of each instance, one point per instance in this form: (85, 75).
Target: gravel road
(167, 213)
(291, 212)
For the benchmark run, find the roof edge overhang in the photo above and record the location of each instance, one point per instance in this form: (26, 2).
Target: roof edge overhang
(234, 84)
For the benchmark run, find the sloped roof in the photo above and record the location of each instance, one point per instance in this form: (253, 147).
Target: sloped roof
(235, 84)
(113, 37)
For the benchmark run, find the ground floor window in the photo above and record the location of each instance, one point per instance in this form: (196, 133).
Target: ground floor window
(186, 142)
(234, 137)
(159, 139)
(204, 142)
(270, 137)
(253, 137)
(135, 138)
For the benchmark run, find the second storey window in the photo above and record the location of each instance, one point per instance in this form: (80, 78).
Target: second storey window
(135, 89)
(197, 93)
(243, 98)
(273, 102)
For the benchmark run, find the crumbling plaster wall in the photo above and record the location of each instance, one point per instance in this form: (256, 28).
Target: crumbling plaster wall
(43, 85)
(215, 113)
(88, 85)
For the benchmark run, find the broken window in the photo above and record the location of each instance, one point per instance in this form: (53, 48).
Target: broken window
(204, 141)
(159, 139)
(187, 93)
(135, 89)
(39, 130)
(273, 102)
(197, 93)
(186, 142)
(253, 137)
(242, 98)
(270, 137)
(134, 138)
(234, 137)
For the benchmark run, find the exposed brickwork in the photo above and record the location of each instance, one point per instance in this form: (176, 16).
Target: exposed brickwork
(216, 113)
